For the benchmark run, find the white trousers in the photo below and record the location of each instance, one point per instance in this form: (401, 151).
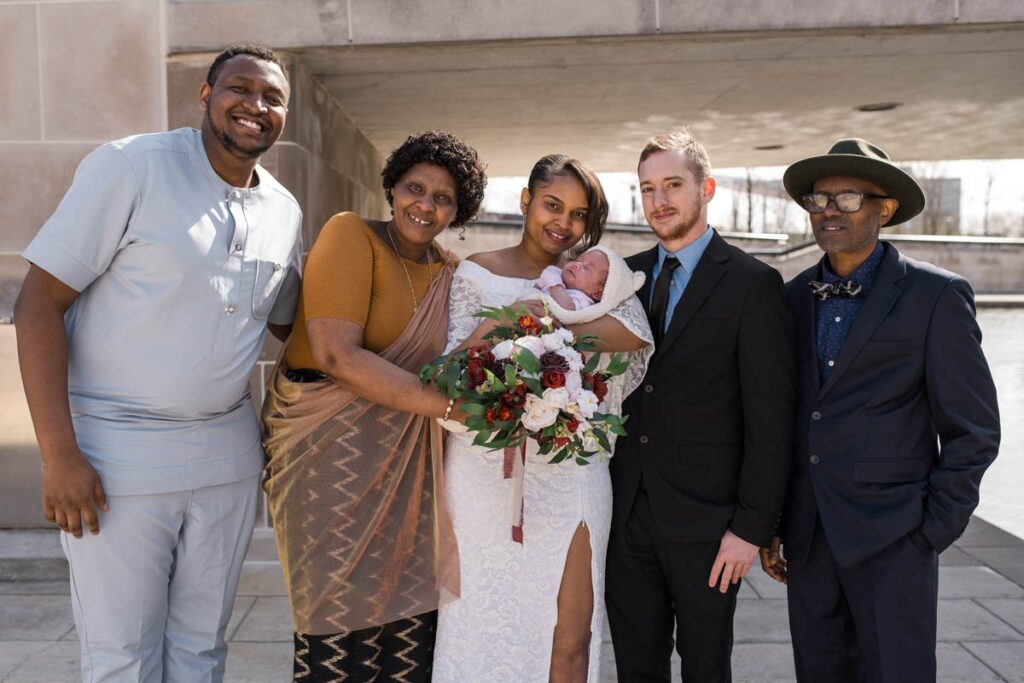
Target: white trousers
(153, 591)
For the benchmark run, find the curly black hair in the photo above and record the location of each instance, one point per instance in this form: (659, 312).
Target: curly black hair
(450, 153)
(257, 51)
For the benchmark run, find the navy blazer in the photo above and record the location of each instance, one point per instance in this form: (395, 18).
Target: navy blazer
(709, 428)
(898, 437)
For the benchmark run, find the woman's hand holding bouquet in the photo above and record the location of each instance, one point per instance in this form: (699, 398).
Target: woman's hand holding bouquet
(536, 382)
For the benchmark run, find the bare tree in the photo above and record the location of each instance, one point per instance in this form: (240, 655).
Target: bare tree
(735, 205)
(990, 178)
(750, 201)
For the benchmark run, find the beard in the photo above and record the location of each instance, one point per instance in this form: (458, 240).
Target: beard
(688, 218)
(231, 144)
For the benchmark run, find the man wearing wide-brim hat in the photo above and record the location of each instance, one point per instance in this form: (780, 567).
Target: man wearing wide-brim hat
(896, 423)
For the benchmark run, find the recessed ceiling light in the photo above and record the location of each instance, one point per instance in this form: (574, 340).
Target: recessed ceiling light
(878, 106)
(766, 148)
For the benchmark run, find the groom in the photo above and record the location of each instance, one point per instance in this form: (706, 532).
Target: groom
(700, 478)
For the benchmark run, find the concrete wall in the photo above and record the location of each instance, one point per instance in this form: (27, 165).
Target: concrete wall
(197, 24)
(76, 74)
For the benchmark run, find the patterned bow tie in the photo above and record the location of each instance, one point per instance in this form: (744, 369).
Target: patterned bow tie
(847, 289)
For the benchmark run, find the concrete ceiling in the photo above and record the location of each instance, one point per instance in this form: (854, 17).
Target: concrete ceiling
(961, 93)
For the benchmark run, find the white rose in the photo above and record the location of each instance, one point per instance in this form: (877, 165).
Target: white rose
(503, 349)
(588, 403)
(553, 341)
(573, 357)
(557, 397)
(533, 344)
(573, 384)
(538, 413)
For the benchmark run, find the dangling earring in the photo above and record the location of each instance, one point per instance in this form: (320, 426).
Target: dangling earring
(462, 233)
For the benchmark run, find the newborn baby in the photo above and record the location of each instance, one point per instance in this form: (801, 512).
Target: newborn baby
(579, 284)
(589, 286)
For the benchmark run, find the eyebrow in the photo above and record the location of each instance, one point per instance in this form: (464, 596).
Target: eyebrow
(239, 78)
(450, 189)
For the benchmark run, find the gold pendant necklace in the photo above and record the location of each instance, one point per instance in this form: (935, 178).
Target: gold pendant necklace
(412, 291)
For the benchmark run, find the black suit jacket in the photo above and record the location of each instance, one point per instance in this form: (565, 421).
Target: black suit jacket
(709, 428)
(911, 376)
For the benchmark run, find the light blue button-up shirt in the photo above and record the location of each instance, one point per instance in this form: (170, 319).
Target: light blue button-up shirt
(179, 273)
(689, 257)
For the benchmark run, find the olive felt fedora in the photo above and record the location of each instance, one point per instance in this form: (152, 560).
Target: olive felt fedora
(856, 158)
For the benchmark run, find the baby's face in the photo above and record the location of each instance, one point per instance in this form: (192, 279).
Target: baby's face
(588, 273)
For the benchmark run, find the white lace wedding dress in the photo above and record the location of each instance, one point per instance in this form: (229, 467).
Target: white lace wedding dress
(500, 629)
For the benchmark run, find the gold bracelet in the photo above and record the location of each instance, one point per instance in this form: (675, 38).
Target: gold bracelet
(448, 410)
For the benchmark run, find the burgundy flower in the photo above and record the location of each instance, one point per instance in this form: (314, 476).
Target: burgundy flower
(553, 379)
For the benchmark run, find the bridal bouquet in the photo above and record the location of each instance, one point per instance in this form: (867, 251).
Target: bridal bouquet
(535, 382)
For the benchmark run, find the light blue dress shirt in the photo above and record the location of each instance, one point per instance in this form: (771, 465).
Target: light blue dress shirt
(689, 257)
(179, 273)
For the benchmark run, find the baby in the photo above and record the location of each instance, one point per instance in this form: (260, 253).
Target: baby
(589, 286)
(579, 284)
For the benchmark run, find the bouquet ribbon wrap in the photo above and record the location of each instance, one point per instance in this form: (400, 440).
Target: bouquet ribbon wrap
(515, 469)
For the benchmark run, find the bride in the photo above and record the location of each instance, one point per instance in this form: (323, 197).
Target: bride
(528, 612)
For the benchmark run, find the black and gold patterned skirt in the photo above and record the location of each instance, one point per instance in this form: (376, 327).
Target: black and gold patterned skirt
(401, 651)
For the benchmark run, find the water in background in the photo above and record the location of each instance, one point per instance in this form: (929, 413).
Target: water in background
(1002, 489)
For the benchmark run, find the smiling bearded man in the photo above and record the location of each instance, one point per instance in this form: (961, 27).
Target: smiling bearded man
(896, 422)
(142, 315)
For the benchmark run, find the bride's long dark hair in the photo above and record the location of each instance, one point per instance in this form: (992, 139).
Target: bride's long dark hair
(545, 170)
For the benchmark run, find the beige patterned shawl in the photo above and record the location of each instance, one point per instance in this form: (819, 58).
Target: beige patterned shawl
(356, 493)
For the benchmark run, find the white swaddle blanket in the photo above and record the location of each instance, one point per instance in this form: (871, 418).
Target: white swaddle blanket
(621, 284)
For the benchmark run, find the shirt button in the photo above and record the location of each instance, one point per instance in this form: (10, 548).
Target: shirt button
(648, 388)
(815, 460)
(831, 363)
(238, 247)
(231, 309)
(815, 415)
(838, 318)
(644, 439)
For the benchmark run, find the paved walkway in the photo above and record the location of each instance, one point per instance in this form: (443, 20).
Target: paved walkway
(981, 616)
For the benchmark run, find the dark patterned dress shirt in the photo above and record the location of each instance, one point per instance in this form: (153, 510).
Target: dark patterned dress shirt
(835, 316)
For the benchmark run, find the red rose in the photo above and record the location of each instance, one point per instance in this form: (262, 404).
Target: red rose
(572, 425)
(475, 373)
(600, 387)
(562, 441)
(553, 361)
(553, 379)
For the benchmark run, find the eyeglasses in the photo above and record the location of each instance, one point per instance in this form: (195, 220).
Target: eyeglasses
(847, 202)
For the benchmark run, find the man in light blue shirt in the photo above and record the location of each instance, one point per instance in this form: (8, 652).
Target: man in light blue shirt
(142, 315)
(698, 481)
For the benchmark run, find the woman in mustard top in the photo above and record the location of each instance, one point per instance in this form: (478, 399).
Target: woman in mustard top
(354, 477)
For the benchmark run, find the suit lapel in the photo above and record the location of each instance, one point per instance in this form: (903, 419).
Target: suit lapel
(646, 260)
(882, 297)
(808, 330)
(708, 272)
